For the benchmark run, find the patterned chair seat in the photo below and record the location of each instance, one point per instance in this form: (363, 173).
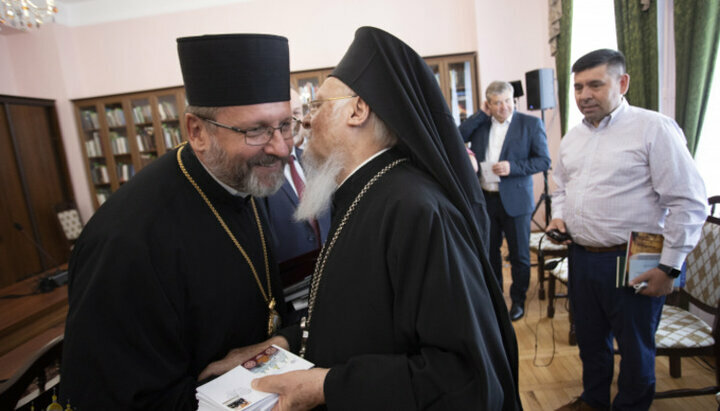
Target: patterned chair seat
(681, 329)
(547, 245)
(560, 271)
(543, 248)
(71, 224)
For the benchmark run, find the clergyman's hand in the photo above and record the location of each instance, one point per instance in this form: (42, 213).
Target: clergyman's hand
(297, 390)
(238, 356)
(658, 283)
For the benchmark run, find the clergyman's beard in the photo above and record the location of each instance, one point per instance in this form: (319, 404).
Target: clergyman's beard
(321, 183)
(239, 174)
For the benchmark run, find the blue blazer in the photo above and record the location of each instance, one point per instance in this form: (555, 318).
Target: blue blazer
(525, 147)
(291, 238)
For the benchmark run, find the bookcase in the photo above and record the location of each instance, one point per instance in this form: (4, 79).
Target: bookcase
(121, 134)
(458, 81)
(456, 74)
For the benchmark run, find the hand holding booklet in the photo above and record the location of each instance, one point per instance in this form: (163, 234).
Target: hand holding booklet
(231, 391)
(643, 253)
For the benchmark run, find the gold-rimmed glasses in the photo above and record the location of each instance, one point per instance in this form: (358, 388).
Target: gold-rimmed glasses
(314, 105)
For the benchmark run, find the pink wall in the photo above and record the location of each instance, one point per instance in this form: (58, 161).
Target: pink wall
(64, 63)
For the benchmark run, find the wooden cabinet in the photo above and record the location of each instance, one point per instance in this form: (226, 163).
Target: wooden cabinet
(455, 73)
(122, 134)
(458, 80)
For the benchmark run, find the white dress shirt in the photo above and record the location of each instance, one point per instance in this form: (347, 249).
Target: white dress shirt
(631, 173)
(496, 139)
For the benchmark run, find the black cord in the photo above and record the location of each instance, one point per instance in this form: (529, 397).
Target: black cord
(535, 331)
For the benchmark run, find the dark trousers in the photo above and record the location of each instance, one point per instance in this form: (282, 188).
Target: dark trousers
(517, 234)
(602, 311)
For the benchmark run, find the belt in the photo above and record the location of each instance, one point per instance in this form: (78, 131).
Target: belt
(612, 248)
(491, 193)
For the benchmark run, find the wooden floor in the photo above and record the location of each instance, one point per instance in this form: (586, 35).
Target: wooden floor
(551, 371)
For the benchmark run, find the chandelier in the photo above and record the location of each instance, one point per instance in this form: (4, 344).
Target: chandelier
(26, 14)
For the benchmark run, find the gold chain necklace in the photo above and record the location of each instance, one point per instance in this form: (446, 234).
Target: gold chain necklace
(273, 317)
(325, 252)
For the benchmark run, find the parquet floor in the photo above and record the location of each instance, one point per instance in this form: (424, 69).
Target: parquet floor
(551, 371)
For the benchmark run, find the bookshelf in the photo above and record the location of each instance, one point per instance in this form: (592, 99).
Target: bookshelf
(456, 74)
(122, 134)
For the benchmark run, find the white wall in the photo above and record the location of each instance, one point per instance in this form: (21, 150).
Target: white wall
(64, 63)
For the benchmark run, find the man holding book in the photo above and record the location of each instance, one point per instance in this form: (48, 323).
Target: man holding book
(623, 169)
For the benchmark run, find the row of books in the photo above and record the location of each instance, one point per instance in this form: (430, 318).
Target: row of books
(146, 138)
(119, 143)
(99, 173)
(172, 135)
(142, 114)
(125, 171)
(115, 117)
(102, 195)
(93, 146)
(89, 119)
(167, 111)
(146, 159)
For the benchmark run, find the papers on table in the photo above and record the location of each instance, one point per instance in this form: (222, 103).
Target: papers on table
(231, 391)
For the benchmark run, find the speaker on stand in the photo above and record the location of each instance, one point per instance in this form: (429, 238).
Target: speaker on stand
(540, 86)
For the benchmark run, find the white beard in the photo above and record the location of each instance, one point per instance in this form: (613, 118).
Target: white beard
(320, 186)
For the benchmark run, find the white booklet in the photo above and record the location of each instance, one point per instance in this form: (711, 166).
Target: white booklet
(231, 391)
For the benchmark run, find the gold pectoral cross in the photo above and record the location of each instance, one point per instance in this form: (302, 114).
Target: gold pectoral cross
(273, 318)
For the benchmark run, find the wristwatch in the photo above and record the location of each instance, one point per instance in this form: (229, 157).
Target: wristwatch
(670, 271)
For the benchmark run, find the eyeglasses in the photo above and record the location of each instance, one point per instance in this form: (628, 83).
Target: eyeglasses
(314, 105)
(259, 136)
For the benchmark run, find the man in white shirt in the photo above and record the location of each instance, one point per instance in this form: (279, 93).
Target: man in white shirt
(510, 147)
(622, 169)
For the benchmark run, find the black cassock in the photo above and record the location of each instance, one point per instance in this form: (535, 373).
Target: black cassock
(403, 316)
(158, 291)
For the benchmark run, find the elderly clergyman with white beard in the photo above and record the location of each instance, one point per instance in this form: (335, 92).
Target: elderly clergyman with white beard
(404, 311)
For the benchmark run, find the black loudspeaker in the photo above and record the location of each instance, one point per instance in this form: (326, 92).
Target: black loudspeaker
(517, 88)
(540, 86)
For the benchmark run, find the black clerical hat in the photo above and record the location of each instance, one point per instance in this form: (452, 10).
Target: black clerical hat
(235, 69)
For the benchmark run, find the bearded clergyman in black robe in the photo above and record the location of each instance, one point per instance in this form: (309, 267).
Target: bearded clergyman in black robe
(404, 311)
(174, 271)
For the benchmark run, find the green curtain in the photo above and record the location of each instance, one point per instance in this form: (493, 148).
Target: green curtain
(637, 39)
(697, 33)
(562, 63)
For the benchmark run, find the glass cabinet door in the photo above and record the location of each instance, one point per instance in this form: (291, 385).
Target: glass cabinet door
(461, 90)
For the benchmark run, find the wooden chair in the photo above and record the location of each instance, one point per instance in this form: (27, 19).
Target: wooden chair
(681, 333)
(12, 392)
(544, 249)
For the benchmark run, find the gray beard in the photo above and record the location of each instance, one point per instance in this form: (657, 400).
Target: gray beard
(321, 183)
(239, 175)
